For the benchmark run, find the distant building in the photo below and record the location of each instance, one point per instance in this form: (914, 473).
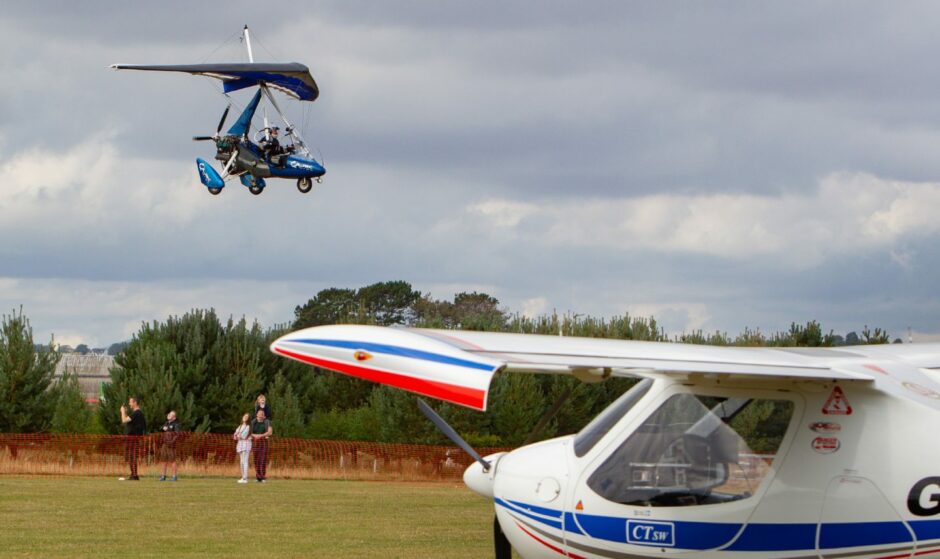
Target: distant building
(92, 371)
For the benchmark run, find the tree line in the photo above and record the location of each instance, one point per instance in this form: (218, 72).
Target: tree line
(210, 370)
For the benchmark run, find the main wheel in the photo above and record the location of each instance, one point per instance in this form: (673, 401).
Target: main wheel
(304, 184)
(215, 191)
(255, 189)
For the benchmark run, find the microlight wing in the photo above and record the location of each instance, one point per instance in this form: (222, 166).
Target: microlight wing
(291, 78)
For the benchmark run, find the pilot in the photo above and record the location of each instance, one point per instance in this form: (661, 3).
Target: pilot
(271, 145)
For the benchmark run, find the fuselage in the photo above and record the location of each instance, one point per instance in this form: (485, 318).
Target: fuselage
(842, 470)
(252, 159)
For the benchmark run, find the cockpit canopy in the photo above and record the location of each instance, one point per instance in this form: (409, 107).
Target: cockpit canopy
(694, 450)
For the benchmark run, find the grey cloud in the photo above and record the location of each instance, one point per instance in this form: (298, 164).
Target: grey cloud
(429, 108)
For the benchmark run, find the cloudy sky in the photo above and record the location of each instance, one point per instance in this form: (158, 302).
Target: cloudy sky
(717, 165)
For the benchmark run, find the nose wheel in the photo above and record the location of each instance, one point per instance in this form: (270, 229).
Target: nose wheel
(304, 184)
(256, 190)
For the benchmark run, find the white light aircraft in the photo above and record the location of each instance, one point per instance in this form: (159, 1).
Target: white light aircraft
(757, 453)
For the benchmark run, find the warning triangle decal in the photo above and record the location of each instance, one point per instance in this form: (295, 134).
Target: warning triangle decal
(837, 404)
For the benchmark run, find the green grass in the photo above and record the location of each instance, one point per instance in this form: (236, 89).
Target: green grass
(212, 517)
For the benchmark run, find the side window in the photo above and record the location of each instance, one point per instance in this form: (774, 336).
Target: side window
(585, 440)
(695, 450)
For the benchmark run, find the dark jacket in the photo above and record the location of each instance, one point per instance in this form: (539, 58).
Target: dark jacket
(266, 408)
(171, 432)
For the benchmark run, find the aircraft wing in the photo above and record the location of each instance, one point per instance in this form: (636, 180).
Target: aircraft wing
(292, 78)
(457, 366)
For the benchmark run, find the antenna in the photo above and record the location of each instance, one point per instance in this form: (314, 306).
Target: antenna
(251, 58)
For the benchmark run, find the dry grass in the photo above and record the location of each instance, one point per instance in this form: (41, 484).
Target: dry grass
(357, 465)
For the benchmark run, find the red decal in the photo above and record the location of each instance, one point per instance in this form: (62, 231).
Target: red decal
(826, 445)
(875, 368)
(837, 404)
(470, 397)
(825, 427)
(579, 506)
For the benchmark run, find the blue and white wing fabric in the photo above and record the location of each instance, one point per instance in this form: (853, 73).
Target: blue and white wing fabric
(292, 78)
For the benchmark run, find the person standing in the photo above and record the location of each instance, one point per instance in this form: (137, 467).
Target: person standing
(171, 433)
(261, 431)
(242, 437)
(135, 426)
(261, 403)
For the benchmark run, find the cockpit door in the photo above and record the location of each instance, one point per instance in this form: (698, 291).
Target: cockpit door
(682, 475)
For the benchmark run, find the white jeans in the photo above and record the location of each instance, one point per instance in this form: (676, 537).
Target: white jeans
(244, 460)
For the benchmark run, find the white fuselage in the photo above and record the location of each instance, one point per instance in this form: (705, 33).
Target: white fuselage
(838, 486)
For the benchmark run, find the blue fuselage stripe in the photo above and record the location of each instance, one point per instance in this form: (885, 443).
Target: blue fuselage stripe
(398, 352)
(755, 537)
(548, 522)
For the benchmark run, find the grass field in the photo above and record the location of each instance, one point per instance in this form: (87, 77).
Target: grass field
(51, 516)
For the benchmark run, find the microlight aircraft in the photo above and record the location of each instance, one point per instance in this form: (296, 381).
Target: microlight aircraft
(716, 452)
(252, 158)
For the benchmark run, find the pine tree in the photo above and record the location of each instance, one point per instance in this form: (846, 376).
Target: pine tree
(72, 414)
(400, 420)
(26, 372)
(206, 371)
(517, 405)
(288, 417)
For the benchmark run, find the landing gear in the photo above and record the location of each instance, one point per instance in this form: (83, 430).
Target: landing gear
(215, 191)
(255, 189)
(304, 184)
(319, 180)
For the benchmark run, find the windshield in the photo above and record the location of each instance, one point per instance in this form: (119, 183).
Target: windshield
(585, 440)
(695, 450)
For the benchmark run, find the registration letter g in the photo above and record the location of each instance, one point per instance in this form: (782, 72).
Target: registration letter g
(914, 498)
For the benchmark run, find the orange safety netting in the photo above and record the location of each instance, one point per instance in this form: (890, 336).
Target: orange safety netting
(214, 455)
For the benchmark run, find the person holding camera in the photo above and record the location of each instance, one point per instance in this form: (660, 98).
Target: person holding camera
(171, 433)
(135, 427)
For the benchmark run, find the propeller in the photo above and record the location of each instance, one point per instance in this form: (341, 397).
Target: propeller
(222, 120)
(500, 543)
(218, 128)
